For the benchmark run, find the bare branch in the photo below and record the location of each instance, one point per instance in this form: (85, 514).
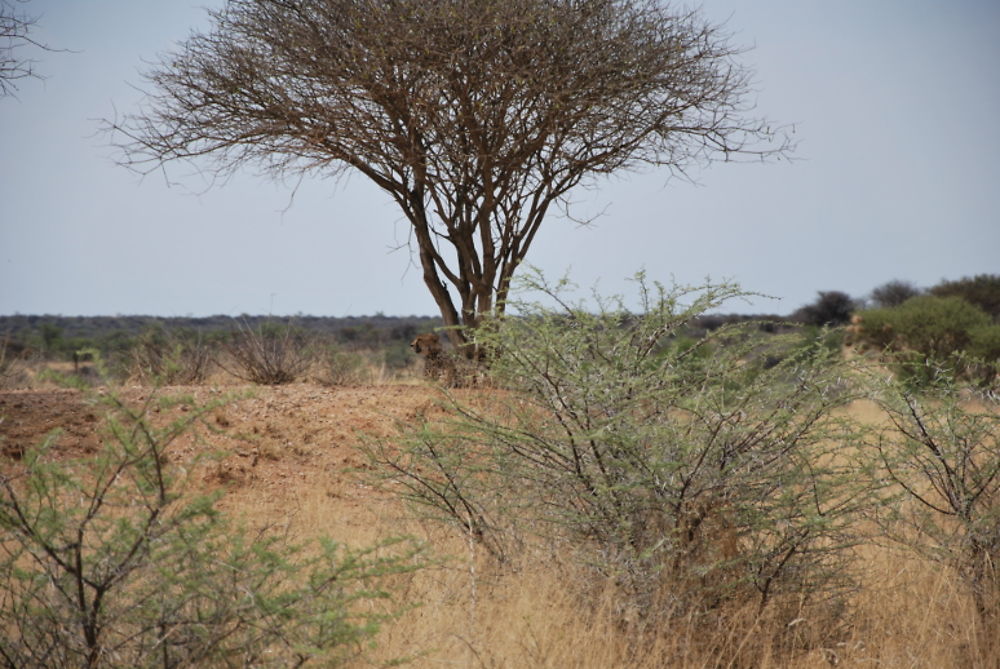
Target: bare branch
(473, 115)
(15, 28)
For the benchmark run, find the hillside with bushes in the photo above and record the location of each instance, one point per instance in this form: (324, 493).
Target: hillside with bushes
(616, 488)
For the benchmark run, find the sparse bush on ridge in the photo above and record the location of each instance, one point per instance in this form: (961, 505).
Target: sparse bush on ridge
(105, 562)
(272, 354)
(698, 481)
(939, 462)
(341, 367)
(10, 369)
(161, 356)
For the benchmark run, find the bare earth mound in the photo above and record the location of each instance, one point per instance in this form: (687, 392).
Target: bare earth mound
(262, 440)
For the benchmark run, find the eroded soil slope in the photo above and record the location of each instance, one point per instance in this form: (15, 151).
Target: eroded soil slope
(264, 444)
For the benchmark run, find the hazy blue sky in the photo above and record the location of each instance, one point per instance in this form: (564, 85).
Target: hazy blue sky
(896, 106)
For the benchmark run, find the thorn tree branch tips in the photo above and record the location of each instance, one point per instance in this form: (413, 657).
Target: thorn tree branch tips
(475, 116)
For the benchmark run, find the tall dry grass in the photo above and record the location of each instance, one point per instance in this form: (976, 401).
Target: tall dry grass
(908, 612)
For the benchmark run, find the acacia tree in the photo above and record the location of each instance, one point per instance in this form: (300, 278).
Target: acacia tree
(475, 116)
(894, 293)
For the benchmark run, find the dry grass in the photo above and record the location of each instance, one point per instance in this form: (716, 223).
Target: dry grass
(909, 613)
(912, 613)
(366, 369)
(289, 452)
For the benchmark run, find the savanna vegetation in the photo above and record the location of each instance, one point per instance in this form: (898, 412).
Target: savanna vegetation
(219, 349)
(106, 563)
(620, 483)
(634, 483)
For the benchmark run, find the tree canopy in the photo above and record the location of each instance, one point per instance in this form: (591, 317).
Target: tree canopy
(475, 116)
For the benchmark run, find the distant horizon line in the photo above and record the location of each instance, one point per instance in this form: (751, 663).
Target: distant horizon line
(377, 314)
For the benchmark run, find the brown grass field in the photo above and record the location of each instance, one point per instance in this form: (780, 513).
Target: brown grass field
(288, 456)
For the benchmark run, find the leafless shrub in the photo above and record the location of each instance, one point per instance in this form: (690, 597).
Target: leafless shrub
(272, 354)
(12, 372)
(893, 293)
(939, 459)
(165, 357)
(16, 27)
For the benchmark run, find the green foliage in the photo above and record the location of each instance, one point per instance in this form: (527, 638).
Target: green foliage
(55, 343)
(982, 290)
(831, 339)
(692, 472)
(984, 342)
(877, 328)
(105, 562)
(51, 335)
(937, 326)
(927, 331)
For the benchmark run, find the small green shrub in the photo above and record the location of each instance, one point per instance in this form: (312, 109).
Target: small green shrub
(875, 328)
(984, 342)
(938, 326)
(831, 339)
(397, 355)
(104, 562)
